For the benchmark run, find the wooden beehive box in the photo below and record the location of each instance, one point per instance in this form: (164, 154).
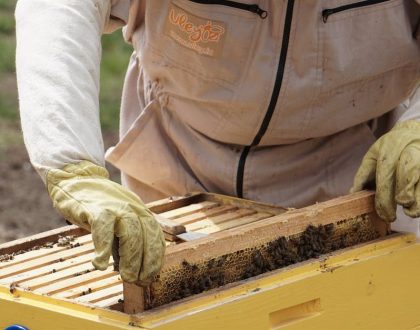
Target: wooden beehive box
(57, 263)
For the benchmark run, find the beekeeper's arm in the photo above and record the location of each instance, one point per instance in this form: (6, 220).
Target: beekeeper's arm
(57, 62)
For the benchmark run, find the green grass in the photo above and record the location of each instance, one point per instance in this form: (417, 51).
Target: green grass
(10, 137)
(7, 38)
(7, 5)
(7, 22)
(8, 92)
(115, 56)
(7, 55)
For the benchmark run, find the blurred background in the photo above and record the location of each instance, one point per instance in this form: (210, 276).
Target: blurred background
(25, 207)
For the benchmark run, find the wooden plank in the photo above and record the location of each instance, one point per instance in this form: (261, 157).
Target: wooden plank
(235, 223)
(189, 209)
(40, 239)
(195, 226)
(191, 235)
(102, 294)
(244, 203)
(76, 281)
(43, 251)
(57, 276)
(91, 287)
(133, 298)
(170, 237)
(112, 302)
(168, 225)
(263, 231)
(175, 202)
(203, 214)
(49, 259)
(39, 272)
(382, 227)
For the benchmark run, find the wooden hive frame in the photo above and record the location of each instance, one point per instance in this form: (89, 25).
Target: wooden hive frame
(237, 239)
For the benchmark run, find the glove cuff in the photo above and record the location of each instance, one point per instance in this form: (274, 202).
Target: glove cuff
(409, 124)
(84, 169)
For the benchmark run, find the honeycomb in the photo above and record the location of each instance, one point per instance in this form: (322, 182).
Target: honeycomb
(187, 279)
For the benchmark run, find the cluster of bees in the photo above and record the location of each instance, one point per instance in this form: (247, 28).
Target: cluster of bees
(283, 251)
(193, 278)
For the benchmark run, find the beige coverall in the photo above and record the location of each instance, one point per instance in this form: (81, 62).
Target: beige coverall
(211, 121)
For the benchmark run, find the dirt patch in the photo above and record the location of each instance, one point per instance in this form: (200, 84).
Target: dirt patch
(25, 207)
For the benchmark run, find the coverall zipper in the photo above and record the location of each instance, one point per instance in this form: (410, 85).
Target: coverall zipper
(273, 100)
(253, 8)
(328, 12)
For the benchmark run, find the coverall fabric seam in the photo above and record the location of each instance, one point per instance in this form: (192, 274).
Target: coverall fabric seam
(286, 74)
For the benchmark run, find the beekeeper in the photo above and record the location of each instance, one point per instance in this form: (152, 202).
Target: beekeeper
(275, 101)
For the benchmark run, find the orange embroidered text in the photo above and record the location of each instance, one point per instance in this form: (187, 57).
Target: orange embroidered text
(200, 34)
(208, 32)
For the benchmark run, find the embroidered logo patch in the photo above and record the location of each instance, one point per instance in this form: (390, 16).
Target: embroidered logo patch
(202, 35)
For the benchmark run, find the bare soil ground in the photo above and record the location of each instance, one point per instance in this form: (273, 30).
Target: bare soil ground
(25, 207)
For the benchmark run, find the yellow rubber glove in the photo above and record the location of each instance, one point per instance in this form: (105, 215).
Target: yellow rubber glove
(393, 163)
(85, 196)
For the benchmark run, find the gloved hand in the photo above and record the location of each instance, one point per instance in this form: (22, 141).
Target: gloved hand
(85, 196)
(393, 162)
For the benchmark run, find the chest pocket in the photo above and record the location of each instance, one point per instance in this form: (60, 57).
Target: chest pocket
(208, 40)
(365, 39)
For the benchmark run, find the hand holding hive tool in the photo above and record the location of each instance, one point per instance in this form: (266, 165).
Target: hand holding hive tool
(86, 197)
(393, 162)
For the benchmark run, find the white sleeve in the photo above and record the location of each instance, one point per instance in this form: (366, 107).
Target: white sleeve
(57, 63)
